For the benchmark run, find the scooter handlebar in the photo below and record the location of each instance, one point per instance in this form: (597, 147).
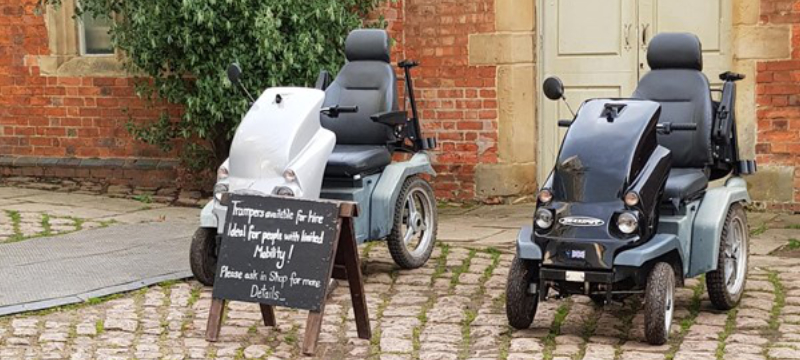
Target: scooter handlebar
(348, 109)
(334, 111)
(684, 127)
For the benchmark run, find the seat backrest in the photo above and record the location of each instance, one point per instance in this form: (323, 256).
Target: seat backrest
(368, 81)
(676, 81)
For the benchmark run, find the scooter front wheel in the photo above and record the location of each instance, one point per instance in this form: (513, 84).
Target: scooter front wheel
(203, 255)
(659, 303)
(521, 304)
(415, 222)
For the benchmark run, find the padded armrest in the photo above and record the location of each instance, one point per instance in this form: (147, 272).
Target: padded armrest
(391, 118)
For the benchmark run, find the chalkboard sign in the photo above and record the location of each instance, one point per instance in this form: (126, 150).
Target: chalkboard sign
(277, 251)
(283, 252)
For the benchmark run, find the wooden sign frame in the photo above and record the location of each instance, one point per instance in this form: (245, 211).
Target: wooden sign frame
(346, 265)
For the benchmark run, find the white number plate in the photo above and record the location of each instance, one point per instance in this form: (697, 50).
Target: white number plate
(576, 276)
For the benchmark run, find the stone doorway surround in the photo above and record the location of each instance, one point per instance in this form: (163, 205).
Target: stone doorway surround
(513, 49)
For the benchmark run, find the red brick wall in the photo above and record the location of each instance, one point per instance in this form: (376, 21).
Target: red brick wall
(85, 117)
(778, 96)
(458, 102)
(60, 116)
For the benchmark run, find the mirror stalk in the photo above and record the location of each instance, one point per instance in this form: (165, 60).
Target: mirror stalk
(564, 99)
(252, 100)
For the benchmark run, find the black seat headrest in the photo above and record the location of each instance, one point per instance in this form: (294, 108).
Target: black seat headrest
(675, 51)
(367, 44)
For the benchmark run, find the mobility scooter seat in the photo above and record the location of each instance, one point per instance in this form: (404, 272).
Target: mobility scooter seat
(352, 160)
(678, 84)
(685, 184)
(368, 82)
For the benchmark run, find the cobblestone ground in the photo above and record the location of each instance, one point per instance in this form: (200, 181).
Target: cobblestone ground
(453, 308)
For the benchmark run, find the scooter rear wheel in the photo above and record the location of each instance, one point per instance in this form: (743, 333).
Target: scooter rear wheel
(659, 303)
(203, 255)
(726, 284)
(413, 235)
(521, 305)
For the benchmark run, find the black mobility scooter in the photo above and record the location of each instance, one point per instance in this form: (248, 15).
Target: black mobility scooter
(627, 209)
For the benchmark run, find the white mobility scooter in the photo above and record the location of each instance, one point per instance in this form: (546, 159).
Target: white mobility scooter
(334, 142)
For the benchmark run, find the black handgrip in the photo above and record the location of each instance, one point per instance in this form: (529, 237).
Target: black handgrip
(684, 127)
(564, 123)
(347, 109)
(731, 76)
(334, 111)
(668, 127)
(408, 63)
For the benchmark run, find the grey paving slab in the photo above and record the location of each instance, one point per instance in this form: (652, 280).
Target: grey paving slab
(63, 198)
(172, 213)
(460, 230)
(53, 271)
(12, 201)
(13, 192)
(771, 240)
(61, 210)
(120, 205)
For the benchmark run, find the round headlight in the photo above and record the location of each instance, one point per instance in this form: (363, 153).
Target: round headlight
(219, 190)
(545, 196)
(627, 223)
(289, 175)
(631, 199)
(222, 173)
(284, 191)
(544, 218)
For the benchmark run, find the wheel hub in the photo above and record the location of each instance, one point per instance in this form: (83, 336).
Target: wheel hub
(418, 218)
(735, 257)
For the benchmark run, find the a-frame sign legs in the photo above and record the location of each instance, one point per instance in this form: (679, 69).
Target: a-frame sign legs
(215, 319)
(347, 259)
(346, 266)
(268, 313)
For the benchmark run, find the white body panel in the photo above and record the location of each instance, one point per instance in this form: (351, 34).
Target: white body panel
(276, 136)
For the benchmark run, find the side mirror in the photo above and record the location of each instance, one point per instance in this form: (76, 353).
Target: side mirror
(553, 88)
(234, 74)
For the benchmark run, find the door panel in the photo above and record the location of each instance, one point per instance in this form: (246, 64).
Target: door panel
(579, 32)
(590, 45)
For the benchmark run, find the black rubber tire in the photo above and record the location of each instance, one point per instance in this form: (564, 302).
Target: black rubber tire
(203, 255)
(659, 283)
(402, 257)
(598, 299)
(715, 280)
(520, 305)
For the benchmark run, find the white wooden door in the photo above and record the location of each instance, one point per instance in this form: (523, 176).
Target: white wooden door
(599, 49)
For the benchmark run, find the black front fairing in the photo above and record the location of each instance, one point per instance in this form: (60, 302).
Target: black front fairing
(610, 148)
